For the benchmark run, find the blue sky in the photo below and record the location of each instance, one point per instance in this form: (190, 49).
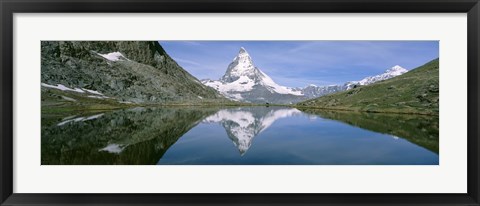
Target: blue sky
(299, 63)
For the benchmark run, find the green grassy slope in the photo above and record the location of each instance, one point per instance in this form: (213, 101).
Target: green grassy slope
(415, 92)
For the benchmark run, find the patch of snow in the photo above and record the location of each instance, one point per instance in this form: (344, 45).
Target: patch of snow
(93, 91)
(395, 137)
(69, 99)
(83, 119)
(97, 97)
(65, 122)
(396, 70)
(94, 117)
(114, 56)
(83, 90)
(113, 148)
(79, 90)
(63, 88)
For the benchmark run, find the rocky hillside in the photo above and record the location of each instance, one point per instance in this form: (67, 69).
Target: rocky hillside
(416, 91)
(125, 71)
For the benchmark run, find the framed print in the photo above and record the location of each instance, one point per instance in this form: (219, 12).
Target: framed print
(253, 103)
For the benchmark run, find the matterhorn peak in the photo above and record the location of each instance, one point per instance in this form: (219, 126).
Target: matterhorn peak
(242, 65)
(243, 81)
(243, 56)
(242, 50)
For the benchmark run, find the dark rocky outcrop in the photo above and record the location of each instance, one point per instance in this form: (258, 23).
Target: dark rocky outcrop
(147, 74)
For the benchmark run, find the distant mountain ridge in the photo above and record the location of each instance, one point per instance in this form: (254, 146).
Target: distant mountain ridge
(416, 92)
(390, 73)
(313, 91)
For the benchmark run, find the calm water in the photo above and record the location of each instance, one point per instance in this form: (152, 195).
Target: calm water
(246, 135)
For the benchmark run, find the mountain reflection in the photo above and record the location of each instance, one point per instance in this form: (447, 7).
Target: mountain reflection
(243, 124)
(204, 135)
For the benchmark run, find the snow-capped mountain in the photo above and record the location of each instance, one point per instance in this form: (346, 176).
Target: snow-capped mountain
(390, 73)
(313, 91)
(243, 81)
(243, 124)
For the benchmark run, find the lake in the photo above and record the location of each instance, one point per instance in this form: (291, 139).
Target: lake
(238, 136)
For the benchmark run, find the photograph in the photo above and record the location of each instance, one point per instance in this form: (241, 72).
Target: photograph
(240, 102)
(199, 102)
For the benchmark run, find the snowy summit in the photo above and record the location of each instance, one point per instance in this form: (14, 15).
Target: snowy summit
(244, 81)
(388, 74)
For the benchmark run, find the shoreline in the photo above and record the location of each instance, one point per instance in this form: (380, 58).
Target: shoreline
(109, 107)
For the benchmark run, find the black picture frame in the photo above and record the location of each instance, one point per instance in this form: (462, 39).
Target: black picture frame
(10, 7)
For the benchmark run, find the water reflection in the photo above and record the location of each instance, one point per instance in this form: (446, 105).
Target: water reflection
(418, 129)
(243, 124)
(271, 135)
(133, 136)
